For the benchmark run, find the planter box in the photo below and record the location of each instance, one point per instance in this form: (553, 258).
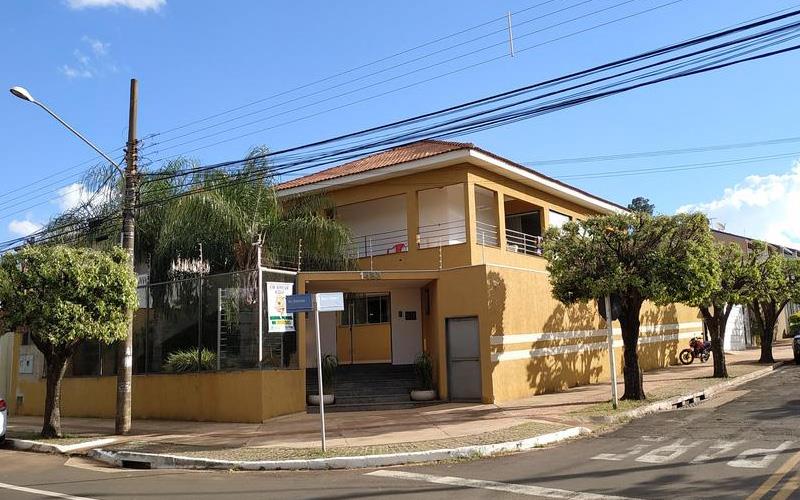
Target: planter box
(313, 399)
(423, 395)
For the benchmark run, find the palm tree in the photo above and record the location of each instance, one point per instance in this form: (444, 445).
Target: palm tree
(225, 212)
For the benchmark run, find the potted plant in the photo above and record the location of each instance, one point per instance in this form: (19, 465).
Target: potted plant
(329, 365)
(423, 368)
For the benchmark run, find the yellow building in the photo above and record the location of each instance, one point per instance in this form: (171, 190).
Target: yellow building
(447, 238)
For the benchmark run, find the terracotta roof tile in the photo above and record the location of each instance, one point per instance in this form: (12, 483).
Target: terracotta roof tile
(401, 154)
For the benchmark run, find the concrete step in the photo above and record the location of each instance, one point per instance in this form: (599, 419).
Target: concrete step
(338, 407)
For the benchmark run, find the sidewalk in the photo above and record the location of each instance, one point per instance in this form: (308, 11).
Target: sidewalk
(402, 429)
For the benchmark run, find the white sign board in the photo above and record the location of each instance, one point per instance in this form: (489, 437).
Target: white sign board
(333, 301)
(26, 364)
(279, 319)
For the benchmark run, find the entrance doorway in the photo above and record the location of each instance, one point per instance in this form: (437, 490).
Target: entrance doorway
(463, 359)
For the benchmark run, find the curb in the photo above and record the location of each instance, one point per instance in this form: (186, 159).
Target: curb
(687, 399)
(64, 449)
(157, 461)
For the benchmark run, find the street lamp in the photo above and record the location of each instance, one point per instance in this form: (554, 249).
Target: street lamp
(129, 174)
(23, 94)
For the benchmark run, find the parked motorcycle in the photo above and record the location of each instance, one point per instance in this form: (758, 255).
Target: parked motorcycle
(698, 348)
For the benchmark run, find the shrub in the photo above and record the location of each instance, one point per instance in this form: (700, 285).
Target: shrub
(329, 365)
(188, 360)
(423, 368)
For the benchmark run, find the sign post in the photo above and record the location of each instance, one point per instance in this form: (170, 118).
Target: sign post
(612, 359)
(319, 302)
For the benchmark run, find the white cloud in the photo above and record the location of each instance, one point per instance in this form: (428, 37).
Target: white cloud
(23, 227)
(99, 48)
(76, 194)
(92, 64)
(763, 207)
(140, 5)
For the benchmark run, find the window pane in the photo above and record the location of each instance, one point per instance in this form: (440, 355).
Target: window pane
(373, 309)
(558, 219)
(359, 309)
(385, 309)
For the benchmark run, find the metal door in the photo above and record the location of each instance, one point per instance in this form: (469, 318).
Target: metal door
(463, 359)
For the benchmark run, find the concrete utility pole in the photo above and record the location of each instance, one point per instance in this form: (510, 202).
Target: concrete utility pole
(125, 348)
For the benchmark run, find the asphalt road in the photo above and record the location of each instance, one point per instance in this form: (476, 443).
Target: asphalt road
(743, 444)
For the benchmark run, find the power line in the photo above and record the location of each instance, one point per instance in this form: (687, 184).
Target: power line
(390, 79)
(354, 69)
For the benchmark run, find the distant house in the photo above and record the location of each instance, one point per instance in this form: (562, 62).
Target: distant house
(739, 331)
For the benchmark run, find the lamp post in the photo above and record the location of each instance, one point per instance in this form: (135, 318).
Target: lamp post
(125, 349)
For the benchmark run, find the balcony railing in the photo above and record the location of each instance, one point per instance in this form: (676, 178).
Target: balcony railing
(371, 245)
(487, 234)
(519, 242)
(442, 234)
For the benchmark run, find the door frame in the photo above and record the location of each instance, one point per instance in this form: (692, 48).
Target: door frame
(447, 359)
(350, 327)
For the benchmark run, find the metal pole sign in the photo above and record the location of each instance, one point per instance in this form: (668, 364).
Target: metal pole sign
(318, 302)
(612, 359)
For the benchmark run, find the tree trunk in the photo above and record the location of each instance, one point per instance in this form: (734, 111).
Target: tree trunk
(56, 367)
(632, 373)
(716, 322)
(767, 316)
(766, 341)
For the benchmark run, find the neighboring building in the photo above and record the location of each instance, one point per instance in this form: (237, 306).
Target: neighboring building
(739, 331)
(447, 238)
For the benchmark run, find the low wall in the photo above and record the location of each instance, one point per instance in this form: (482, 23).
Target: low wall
(240, 396)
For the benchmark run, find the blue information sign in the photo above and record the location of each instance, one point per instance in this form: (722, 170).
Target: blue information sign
(299, 303)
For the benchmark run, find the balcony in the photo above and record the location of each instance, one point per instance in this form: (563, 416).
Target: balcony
(442, 234)
(519, 242)
(487, 234)
(383, 243)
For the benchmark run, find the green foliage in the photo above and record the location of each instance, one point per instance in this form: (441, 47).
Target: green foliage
(640, 257)
(66, 295)
(423, 368)
(794, 319)
(641, 204)
(734, 280)
(777, 278)
(329, 366)
(190, 360)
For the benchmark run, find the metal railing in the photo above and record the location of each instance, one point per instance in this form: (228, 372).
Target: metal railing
(487, 234)
(442, 234)
(519, 242)
(371, 245)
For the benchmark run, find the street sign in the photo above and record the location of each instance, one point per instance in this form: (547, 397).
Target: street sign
(299, 303)
(333, 301)
(616, 307)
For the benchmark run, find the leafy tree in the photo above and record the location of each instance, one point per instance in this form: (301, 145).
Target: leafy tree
(641, 204)
(731, 288)
(776, 283)
(663, 259)
(225, 211)
(63, 296)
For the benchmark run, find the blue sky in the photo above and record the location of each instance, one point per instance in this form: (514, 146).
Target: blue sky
(198, 58)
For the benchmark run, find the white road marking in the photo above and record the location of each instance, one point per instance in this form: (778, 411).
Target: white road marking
(617, 457)
(43, 493)
(519, 489)
(716, 450)
(765, 457)
(667, 453)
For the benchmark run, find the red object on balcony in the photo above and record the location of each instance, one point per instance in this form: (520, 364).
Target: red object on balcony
(397, 248)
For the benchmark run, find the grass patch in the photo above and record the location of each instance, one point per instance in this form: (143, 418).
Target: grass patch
(65, 440)
(516, 433)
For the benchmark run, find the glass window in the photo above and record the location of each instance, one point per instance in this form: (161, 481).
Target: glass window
(365, 309)
(557, 219)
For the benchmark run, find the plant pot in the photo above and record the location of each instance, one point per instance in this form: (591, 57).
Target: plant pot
(423, 395)
(313, 399)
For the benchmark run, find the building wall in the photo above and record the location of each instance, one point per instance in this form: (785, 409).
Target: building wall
(406, 333)
(239, 396)
(539, 345)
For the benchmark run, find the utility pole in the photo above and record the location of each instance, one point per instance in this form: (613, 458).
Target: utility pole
(125, 348)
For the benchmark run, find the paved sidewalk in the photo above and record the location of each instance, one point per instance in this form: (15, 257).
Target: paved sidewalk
(433, 423)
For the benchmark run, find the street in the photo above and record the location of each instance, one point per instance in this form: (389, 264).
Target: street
(743, 444)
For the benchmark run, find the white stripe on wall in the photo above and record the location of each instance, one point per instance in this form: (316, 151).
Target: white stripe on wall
(596, 346)
(523, 338)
